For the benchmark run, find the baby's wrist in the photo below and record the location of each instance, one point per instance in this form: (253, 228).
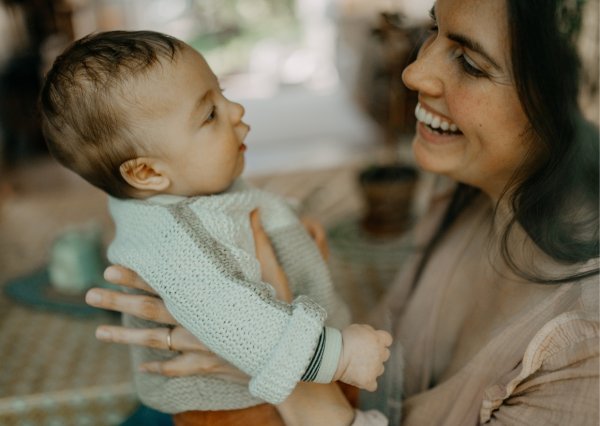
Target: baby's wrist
(328, 353)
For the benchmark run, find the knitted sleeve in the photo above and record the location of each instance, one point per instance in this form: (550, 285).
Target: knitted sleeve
(307, 271)
(206, 288)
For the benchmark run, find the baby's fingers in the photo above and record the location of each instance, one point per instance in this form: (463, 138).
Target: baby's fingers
(371, 386)
(386, 355)
(384, 337)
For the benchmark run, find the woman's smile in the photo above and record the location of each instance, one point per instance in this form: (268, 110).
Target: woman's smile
(470, 120)
(435, 128)
(435, 122)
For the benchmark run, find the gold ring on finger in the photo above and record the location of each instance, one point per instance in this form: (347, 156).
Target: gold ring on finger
(169, 347)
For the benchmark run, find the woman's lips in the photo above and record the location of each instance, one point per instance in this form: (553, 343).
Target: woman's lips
(435, 137)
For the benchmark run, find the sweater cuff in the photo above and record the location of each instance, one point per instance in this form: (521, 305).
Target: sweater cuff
(285, 364)
(325, 361)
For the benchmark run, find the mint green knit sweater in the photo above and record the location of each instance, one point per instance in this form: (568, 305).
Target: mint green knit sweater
(198, 254)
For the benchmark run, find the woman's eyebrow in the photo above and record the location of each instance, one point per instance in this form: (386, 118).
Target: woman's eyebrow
(467, 42)
(475, 47)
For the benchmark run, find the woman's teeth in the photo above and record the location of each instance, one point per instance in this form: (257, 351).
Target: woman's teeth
(435, 123)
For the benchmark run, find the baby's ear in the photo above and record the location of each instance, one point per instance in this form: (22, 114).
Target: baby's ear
(144, 174)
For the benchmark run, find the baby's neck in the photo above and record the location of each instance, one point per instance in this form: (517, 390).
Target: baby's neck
(147, 195)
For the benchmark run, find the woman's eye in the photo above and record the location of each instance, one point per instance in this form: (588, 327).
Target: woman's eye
(470, 67)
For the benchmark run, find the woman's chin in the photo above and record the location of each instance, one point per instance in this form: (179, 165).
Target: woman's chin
(425, 159)
(444, 160)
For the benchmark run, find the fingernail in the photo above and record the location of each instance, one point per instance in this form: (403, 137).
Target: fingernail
(102, 334)
(93, 298)
(112, 274)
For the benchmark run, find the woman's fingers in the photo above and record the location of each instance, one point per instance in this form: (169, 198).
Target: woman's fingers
(262, 243)
(120, 275)
(193, 363)
(144, 307)
(184, 341)
(271, 270)
(318, 234)
(157, 338)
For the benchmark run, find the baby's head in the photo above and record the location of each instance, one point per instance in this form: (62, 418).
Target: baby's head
(139, 113)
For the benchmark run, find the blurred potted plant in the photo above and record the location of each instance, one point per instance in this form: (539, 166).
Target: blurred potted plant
(388, 186)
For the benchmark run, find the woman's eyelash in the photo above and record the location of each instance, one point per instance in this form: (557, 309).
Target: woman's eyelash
(469, 68)
(434, 24)
(432, 14)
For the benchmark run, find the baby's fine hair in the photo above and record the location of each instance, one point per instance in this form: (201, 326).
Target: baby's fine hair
(85, 107)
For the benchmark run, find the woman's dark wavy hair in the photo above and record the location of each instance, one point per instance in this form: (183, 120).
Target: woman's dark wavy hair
(556, 200)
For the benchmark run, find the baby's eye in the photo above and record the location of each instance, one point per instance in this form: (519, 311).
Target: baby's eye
(212, 115)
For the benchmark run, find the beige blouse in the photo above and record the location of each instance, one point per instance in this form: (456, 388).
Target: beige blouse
(482, 346)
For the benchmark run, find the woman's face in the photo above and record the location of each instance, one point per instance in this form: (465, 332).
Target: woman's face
(471, 126)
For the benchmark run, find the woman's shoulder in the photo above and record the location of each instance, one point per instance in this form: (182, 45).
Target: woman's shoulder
(568, 328)
(576, 318)
(590, 290)
(561, 359)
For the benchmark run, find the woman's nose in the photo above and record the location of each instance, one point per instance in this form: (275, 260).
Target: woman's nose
(423, 75)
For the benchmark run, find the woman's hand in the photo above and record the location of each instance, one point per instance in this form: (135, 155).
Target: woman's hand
(316, 404)
(194, 359)
(270, 269)
(318, 234)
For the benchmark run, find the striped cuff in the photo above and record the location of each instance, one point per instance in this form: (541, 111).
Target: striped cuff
(323, 365)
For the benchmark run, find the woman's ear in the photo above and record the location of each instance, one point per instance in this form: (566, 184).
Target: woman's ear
(144, 174)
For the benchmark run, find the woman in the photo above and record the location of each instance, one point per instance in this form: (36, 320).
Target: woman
(498, 314)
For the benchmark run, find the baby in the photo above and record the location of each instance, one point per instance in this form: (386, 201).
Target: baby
(141, 116)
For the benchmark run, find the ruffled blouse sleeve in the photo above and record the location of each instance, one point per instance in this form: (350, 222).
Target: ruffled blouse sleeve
(558, 379)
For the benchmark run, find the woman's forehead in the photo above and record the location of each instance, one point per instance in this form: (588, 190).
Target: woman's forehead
(483, 22)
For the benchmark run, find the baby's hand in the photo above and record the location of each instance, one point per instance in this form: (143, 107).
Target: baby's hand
(364, 350)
